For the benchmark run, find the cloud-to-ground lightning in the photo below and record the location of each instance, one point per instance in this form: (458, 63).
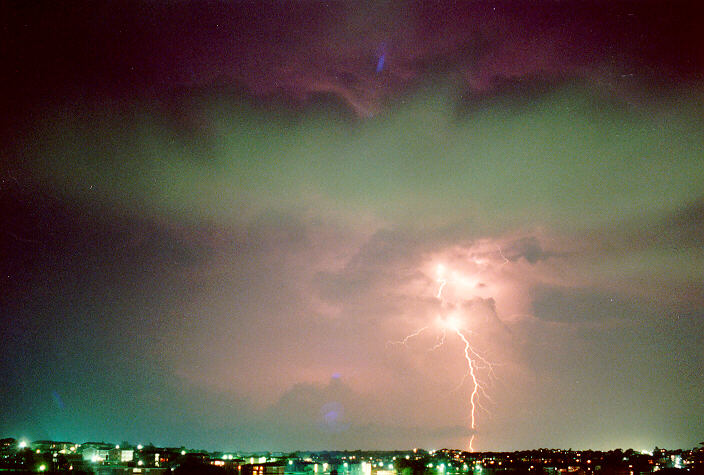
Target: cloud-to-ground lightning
(448, 320)
(475, 387)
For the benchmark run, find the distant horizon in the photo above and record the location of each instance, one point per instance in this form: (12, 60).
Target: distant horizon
(406, 450)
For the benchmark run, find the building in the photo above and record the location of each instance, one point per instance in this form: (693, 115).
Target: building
(96, 451)
(54, 447)
(268, 468)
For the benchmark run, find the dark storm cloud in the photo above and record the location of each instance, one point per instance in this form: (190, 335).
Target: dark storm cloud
(88, 291)
(584, 305)
(47, 237)
(53, 52)
(528, 248)
(512, 92)
(686, 227)
(387, 259)
(682, 228)
(656, 254)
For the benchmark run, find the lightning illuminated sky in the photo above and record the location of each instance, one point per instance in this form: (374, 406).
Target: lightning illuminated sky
(319, 226)
(452, 321)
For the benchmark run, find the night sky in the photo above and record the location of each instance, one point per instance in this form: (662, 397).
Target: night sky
(219, 222)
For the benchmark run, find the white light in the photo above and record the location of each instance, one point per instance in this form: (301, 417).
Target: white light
(140, 463)
(451, 322)
(23, 444)
(117, 446)
(42, 467)
(183, 452)
(140, 447)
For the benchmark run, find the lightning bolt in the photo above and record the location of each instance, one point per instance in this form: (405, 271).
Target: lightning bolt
(475, 386)
(470, 355)
(404, 342)
(450, 322)
(442, 282)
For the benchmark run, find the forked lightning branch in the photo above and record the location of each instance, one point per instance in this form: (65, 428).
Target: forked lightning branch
(451, 319)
